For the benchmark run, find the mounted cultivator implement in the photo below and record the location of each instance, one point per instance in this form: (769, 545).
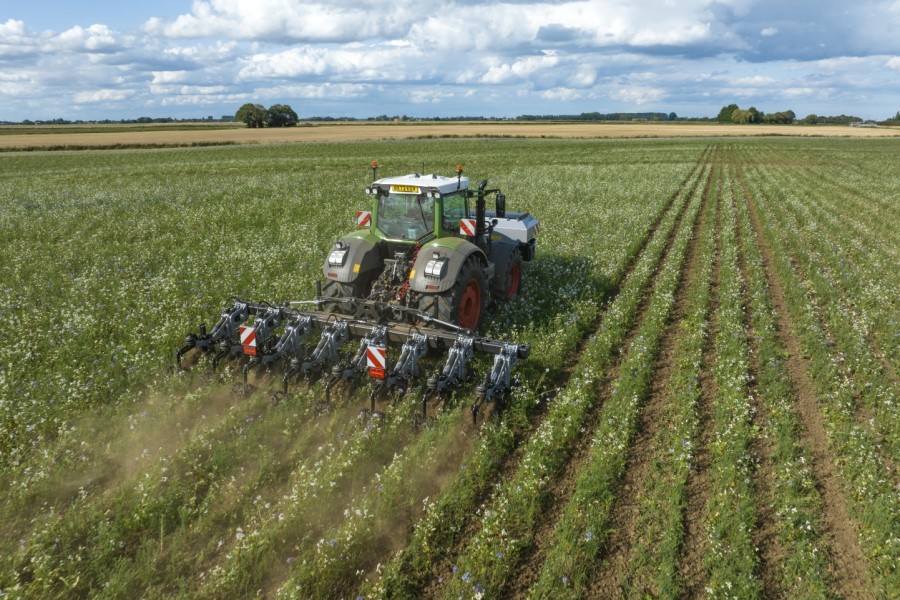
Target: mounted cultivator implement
(416, 279)
(282, 336)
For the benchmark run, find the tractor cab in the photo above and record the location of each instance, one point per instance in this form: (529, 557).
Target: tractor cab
(417, 207)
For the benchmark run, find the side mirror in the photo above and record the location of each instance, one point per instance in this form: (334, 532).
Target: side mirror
(501, 205)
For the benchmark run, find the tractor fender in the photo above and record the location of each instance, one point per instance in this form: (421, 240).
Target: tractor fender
(451, 251)
(361, 253)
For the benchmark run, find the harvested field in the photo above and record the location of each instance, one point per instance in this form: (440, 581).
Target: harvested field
(164, 135)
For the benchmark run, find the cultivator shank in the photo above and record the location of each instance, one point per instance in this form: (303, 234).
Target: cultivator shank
(264, 335)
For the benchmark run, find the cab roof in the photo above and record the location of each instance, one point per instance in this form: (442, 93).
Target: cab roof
(404, 184)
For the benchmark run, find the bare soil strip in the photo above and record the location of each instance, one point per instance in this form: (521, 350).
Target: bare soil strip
(850, 572)
(510, 465)
(693, 572)
(618, 554)
(762, 448)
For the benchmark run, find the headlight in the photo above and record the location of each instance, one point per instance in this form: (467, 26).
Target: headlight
(436, 268)
(337, 258)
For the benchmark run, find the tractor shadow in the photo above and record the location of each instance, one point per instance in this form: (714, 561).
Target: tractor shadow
(554, 286)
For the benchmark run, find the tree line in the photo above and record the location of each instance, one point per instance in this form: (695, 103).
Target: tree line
(734, 114)
(256, 115)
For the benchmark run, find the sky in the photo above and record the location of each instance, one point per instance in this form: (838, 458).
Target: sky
(98, 59)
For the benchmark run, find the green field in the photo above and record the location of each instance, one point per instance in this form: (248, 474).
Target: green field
(709, 410)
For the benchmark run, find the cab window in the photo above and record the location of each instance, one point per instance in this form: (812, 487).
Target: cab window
(405, 216)
(454, 210)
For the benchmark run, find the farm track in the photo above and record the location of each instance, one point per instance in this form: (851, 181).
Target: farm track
(564, 486)
(850, 571)
(619, 551)
(416, 582)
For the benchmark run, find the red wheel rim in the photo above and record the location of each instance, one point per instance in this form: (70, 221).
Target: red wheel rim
(515, 277)
(470, 305)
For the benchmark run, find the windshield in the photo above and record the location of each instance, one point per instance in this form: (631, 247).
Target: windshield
(405, 216)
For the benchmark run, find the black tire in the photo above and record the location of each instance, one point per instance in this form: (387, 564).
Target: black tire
(359, 288)
(509, 283)
(448, 306)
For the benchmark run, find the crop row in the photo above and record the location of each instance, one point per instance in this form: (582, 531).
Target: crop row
(866, 479)
(803, 571)
(580, 532)
(656, 554)
(857, 261)
(846, 324)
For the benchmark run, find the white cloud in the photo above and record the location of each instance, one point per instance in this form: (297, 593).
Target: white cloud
(519, 70)
(769, 31)
(638, 95)
(163, 77)
(893, 63)
(584, 76)
(561, 94)
(96, 38)
(107, 95)
(282, 20)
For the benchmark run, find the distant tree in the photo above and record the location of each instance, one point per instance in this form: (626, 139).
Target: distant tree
(780, 118)
(254, 115)
(281, 115)
(725, 115)
(810, 119)
(672, 116)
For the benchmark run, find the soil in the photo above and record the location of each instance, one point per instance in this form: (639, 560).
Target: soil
(849, 570)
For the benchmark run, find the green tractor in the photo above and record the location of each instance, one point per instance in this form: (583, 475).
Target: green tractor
(429, 244)
(425, 264)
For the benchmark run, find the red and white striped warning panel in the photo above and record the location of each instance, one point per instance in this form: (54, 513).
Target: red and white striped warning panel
(363, 218)
(376, 358)
(248, 339)
(467, 227)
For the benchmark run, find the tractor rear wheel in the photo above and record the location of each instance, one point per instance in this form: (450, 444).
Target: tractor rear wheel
(464, 303)
(334, 289)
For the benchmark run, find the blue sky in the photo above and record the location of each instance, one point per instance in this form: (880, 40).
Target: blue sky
(360, 58)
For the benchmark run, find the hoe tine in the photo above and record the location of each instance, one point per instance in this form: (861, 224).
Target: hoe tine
(328, 385)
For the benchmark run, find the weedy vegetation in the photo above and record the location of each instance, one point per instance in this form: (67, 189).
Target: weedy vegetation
(744, 291)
